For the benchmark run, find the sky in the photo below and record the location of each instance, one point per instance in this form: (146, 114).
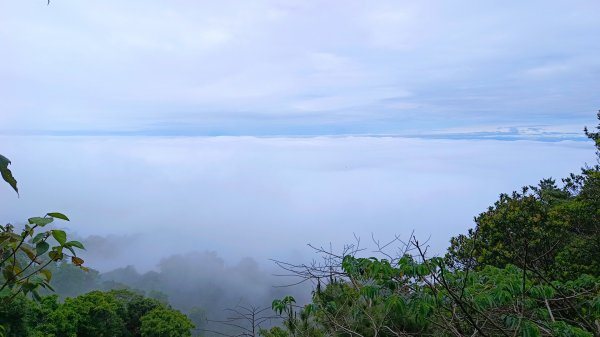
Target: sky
(252, 128)
(270, 67)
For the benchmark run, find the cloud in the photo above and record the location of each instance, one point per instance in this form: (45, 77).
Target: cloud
(205, 280)
(550, 133)
(547, 70)
(268, 197)
(261, 67)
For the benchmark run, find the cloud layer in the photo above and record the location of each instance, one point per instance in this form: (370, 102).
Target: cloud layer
(272, 67)
(268, 197)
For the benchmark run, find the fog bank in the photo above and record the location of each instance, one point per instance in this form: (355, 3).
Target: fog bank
(140, 199)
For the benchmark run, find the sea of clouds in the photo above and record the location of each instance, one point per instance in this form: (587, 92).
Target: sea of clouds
(137, 200)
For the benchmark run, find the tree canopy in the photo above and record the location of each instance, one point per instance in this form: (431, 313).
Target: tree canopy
(550, 229)
(118, 313)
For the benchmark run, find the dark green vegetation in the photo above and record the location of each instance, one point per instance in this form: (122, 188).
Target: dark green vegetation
(530, 267)
(199, 284)
(7, 174)
(26, 254)
(117, 313)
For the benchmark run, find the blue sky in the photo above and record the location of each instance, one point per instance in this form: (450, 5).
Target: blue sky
(299, 67)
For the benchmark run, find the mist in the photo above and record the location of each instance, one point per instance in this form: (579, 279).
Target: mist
(138, 200)
(200, 284)
(203, 279)
(197, 221)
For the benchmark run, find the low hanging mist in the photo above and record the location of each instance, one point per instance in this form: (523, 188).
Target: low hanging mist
(138, 200)
(197, 219)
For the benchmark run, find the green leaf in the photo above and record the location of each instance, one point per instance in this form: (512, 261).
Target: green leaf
(309, 309)
(8, 273)
(60, 236)
(396, 303)
(40, 221)
(7, 174)
(48, 286)
(41, 247)
(71, 250)
(29, 252)
(332, 306)
(5, 292)
(75, 244)
(422, 270)
(38, 237)
(369, 292)
(530, 329)
(36, 279)
(511, 322)
(55, 256)
(36, 296)
(47, 274)
(277, 306)
(58, 216)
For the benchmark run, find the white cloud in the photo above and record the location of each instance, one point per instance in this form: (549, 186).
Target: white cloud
(266, 197)
(113, 64)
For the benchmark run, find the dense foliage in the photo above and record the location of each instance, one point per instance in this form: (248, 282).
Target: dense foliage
(546, 228)
(378, 298)
(118, 313)
(25, 255)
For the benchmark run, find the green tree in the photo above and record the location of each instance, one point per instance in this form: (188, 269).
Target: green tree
(95, 314)
(41, 316)
(137, 306)
(15, 317)
(371, 297)
(117, 313)
(166, 322)
(521, 228)
(550, 229)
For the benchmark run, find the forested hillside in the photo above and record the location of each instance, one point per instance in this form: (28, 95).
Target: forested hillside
(529, 267)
